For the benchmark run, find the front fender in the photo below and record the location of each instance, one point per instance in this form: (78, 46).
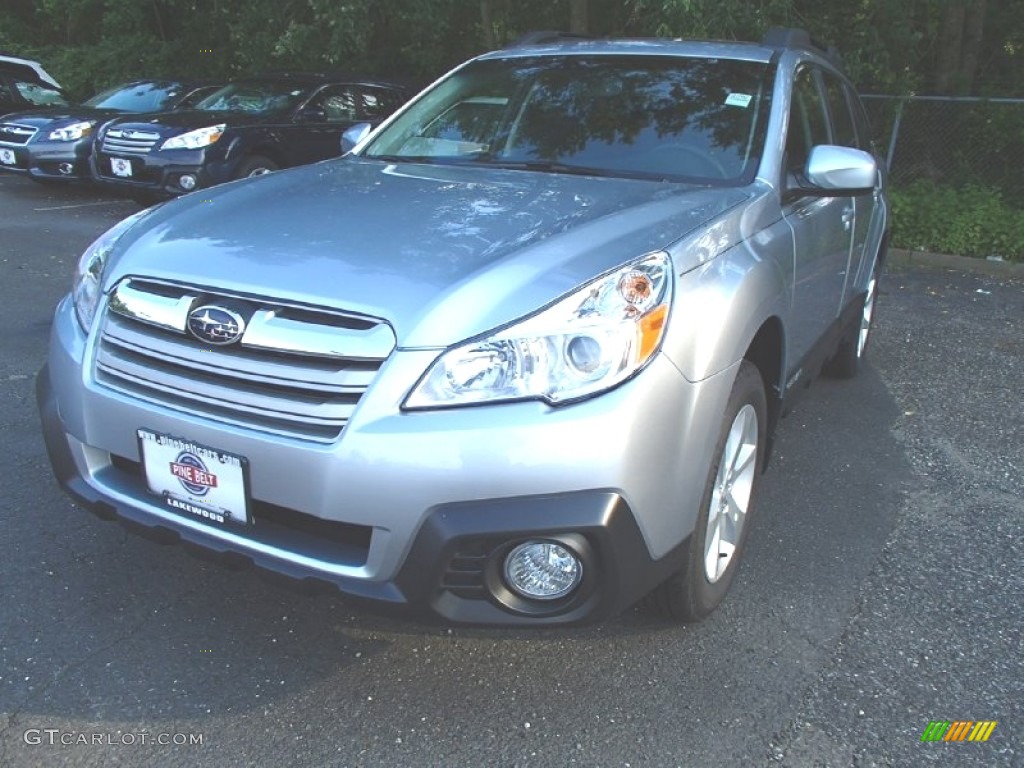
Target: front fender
(720, 306)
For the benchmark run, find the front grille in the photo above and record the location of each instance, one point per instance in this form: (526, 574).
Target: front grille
(129, 141)
(13, 133)
(296, 371)
(281, 527)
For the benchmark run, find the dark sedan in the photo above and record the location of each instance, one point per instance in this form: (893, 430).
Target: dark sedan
(54, 143)
(246, 128)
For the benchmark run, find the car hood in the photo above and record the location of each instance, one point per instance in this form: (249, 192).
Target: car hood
(442, 253)
(51, 116)
(182, 121)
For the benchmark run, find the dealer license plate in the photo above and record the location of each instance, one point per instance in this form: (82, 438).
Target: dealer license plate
(7, 157)
(195, 479)
(121, 167)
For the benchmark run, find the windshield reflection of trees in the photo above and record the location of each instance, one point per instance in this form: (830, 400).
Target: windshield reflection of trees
(250, 97)
(621, 115)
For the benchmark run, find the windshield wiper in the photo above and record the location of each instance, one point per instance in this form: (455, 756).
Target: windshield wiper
(542, 166)
(549, 166)
(425, 159)
(546, 166)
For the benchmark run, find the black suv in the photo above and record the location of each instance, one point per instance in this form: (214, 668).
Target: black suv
(54, 143)
(247, 128)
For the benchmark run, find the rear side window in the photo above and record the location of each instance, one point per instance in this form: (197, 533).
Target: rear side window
(378, 103)
(339, 103)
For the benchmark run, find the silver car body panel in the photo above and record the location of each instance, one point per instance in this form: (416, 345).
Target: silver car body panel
(421, 258)
(474, 453)
(484, 251)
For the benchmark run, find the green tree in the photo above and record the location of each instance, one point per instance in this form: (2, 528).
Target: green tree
(901, 46)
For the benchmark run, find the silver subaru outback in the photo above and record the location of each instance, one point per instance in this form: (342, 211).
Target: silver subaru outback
(516, 359)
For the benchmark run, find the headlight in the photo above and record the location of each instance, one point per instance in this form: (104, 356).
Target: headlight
(72, 132)
(589, 341)
(197, 139)
(88, 282)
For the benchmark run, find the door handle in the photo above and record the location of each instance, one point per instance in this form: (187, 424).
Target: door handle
(848, 215)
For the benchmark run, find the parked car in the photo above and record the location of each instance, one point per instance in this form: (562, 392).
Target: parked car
(25, 84)
(54, 143)
(516, 359)
(11, 63)
(246, 128)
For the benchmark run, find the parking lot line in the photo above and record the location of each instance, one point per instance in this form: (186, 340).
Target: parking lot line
(77, 205)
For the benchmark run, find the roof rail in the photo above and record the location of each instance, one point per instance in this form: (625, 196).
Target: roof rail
(286, 73)
(794, 37)
(543, 36)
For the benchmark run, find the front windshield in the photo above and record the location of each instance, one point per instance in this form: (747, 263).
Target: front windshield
(253, 98)
(190, 101)
(40, 95)
(139, 97)
(660, 117)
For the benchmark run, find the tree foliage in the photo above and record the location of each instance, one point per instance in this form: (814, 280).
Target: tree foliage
(948, 46)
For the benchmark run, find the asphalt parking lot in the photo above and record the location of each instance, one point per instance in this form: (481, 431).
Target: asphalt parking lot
(883, 589)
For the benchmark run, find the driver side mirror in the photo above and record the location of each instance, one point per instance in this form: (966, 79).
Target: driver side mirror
(833, 171)
(353, 136)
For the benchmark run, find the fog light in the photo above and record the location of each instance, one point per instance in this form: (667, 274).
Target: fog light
(187, 182)
(543, 570)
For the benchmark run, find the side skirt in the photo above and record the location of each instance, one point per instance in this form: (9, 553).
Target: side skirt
(800, 378)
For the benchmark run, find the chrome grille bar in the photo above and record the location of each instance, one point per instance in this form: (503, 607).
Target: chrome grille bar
(125, 140)
(300, 373)
(16, 134)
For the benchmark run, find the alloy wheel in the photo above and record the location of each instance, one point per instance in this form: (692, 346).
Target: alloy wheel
(730, 498)
(865, 318)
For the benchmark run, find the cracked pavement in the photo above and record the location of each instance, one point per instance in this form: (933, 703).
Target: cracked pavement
(882, 589)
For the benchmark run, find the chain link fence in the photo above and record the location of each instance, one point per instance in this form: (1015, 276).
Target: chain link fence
(956, 168)
(955, 141)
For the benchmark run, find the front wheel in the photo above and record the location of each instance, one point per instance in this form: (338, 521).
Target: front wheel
(727, 507)
(255, 165)
(147, 198)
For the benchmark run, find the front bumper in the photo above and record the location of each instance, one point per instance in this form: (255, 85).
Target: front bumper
(452, 571)
(415, 512)
(20, 164)
(59, 160)
(160, 172)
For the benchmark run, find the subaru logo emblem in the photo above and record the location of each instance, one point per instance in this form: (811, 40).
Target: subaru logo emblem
(215, 325)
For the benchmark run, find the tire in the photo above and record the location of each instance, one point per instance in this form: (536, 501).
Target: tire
(849, 356)
(146, 198)
(255, 165)
(727, 507)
